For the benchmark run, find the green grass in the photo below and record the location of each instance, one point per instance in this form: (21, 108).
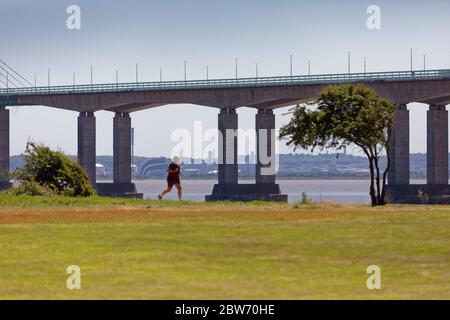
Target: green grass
(166, 250)
(26, 201)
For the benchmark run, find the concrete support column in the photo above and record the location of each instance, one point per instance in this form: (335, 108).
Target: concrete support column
(228, 146)
(399, 150)
(86, 144)
(4, 147)
(228, 188)
(437, 145)
(265, 146)
(122, 147)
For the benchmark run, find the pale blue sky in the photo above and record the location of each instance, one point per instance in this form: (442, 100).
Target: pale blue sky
(164, 33)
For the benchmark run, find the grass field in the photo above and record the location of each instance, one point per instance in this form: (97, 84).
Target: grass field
(164, 250)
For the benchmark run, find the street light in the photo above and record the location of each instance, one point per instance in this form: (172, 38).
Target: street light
(365, 65)
(137, 73)
(236, 65)
(349, 61)
(291, 63)
(185, 70)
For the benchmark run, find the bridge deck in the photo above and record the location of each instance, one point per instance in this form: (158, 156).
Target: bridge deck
(323, 79)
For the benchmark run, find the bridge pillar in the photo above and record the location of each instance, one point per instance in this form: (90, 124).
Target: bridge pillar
(86, 144)
(122, 186)
(4, 148)
(437, 189)
(265, 146)
(122, 148)
(437, 145)
(228, 147)
(399, 149)
(228, 187)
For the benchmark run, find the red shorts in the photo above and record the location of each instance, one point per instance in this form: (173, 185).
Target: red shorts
(171, 182)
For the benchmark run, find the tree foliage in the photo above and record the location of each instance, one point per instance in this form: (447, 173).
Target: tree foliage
(54, 171)
(347, 115)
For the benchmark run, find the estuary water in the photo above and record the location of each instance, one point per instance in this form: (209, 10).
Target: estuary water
(339, 191)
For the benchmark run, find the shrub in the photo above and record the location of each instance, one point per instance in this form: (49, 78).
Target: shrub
(305, 199)
(52, 171)
(32, 188)
(422, 196)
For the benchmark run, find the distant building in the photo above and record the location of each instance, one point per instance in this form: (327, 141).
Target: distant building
(100, 170)
(154, 167)
(332, 168)
(252, 158)
(210, 157)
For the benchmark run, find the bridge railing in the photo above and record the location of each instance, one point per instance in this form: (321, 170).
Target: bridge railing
(320, 79)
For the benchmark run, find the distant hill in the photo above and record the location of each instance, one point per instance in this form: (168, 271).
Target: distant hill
(332, 166)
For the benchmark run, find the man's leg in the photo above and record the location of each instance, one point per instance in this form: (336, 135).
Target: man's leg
(169, 188)
(180, 190)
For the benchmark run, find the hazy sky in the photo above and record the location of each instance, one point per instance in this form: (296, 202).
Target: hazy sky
(164, 33)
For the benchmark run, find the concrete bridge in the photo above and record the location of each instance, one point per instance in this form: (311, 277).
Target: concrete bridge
(431, 87)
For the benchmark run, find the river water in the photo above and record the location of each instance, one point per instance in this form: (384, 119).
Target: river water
(339, 191)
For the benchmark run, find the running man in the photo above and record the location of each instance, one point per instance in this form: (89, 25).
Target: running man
(173, 179)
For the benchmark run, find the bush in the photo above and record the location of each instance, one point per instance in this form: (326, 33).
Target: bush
(51, 171)
(422, 196)
(305, 199)
(32, 188)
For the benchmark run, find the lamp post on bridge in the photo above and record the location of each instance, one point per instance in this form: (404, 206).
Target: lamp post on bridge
(137, 73)
(349, 61)
(291, 65)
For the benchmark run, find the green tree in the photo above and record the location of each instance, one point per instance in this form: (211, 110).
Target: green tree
(347, 115)
(53, 170)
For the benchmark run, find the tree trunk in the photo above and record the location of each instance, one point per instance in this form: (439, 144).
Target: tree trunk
(372, 182)
(379, 200)
(385, 173)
